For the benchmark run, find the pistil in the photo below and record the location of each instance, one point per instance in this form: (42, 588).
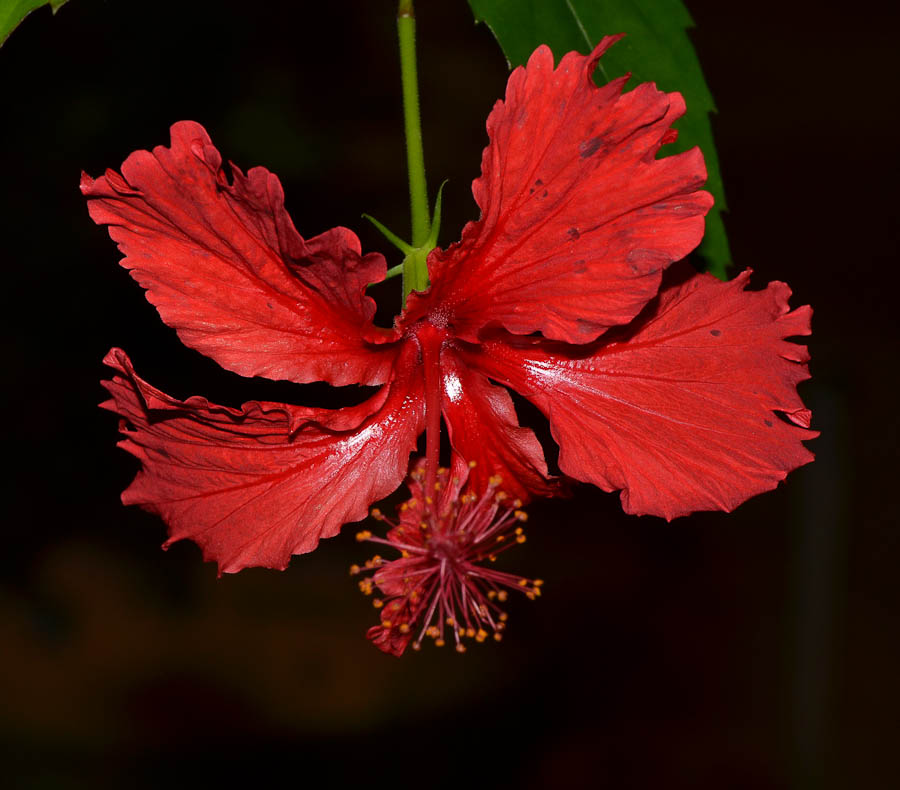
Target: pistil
(442, 585)
(430, 341)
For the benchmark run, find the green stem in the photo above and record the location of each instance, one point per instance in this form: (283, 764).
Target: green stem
(415, 272)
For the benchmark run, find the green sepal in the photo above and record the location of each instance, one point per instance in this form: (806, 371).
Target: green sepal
(392, 237)
(431, 242)
(414, 267)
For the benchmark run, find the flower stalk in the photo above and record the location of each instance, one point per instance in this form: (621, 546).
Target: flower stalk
(415, 272)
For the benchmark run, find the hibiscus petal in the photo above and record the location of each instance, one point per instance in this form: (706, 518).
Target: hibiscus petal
(483, 427)
(679, 411)
(226, 268)
(252, 486)
(390, 640)
(578, 217)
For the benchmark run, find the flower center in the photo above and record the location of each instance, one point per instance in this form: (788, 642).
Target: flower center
(443, 548)
(442, 585)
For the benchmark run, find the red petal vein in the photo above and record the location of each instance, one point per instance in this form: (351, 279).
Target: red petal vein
(252, 486)
(578, 217)
(226, 268)
(680, 411)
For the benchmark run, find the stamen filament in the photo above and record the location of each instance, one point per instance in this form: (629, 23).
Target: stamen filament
(438, 583)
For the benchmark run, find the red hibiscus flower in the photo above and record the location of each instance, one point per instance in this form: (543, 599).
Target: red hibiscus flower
(669, 389)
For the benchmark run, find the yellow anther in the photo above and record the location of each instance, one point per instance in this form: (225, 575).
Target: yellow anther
(404, 628)
(450, 621)
(377, 603)
(473, 464)
(521, 515)
(500, 626)
(530, 596)
(520, 538)
(492, 594)
(517, 503)
(365, 586)
(416, 646)
(385, 623)
(354, 569)
(423, 525)
(538, 582)
(429, 500)
(460, 647)
(536, 591)
(404, 506)
(481, 635)
(376, 514)
(500, 496)
(414, 596)
(498, 637)
(405, 554)
(363, 535)
(439, 643)
(470, 632)
(438, 485)
(432, 631)
(502, 596)
(503, 617)
(501, 538)
(494, 481)
(519, 530)
(492, 557)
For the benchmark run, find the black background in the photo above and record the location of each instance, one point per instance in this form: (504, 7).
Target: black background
(754, 650)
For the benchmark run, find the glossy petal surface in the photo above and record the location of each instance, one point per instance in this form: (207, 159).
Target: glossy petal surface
(578, 217)
(252, 486)
(680, 410)
(484, 428)
(224, 265)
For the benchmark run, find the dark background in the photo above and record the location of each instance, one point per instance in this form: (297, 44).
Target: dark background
(754, 650)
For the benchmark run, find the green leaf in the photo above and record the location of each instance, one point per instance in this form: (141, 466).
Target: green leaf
(655, 49)
(12, 12)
